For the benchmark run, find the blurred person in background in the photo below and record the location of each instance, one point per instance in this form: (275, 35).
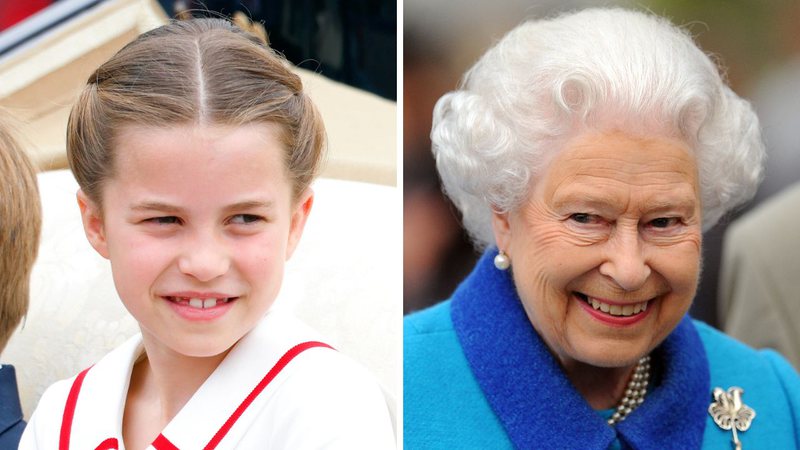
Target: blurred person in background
(758, 301)
(20, 226)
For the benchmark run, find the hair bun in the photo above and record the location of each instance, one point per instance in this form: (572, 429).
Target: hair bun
(257, 29)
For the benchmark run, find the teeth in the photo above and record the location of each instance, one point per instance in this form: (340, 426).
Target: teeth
(617, 310)
(201, 303)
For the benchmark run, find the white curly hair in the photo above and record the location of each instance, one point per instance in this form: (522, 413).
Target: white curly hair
(602, 69)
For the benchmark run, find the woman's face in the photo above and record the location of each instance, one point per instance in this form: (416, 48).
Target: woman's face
(605, 252)
(197, 223)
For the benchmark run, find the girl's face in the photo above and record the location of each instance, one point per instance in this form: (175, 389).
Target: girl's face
(197, 222)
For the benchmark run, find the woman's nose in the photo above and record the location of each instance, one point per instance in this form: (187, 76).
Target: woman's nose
(204, 258)
(625, 262)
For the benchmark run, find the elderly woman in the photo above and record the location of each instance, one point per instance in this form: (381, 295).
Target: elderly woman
(587, 154)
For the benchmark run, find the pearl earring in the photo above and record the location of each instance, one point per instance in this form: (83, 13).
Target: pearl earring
(501, 261)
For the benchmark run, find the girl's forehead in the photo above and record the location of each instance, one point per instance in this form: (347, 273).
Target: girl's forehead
(211, 143)
(199, 157)
(267, 131)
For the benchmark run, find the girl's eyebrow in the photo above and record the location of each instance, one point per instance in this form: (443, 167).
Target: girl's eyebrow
(250, 204)
(156, 206)
(172, 209)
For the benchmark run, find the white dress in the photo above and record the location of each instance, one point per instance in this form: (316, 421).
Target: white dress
(278, 388)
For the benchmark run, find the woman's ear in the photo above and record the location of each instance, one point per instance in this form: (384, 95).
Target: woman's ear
(93, 226)
(502, 230)
(298, 220)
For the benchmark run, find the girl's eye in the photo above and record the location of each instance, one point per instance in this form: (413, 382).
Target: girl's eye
(243, 219)
(165, 220)
(664, 222)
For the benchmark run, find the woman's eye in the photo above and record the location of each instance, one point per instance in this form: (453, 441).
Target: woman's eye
(664, 222)
(165, 220)
(583, 218)
(245, 219)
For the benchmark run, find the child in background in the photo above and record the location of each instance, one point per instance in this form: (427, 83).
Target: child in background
(20, 225)
(194, 148)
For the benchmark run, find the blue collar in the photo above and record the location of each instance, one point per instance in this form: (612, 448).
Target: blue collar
(10, 410)
(537, 404)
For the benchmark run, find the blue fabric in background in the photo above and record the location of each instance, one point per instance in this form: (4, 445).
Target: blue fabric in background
(11, 423)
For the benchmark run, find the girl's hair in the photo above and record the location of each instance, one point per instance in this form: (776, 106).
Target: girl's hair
(598, 69)
(20, 225)
(201, 71)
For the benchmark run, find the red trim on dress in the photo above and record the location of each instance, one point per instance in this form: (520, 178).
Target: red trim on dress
(161, 442)
(276, 369)
(109, 444)
(69, 410)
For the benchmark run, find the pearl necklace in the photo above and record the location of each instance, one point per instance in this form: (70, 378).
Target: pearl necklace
(634, 392)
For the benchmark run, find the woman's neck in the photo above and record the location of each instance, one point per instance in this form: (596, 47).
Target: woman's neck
(602, 387)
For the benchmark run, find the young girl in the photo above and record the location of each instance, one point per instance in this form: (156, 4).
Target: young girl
(194, 148)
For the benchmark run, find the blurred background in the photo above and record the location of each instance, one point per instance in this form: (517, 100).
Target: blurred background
(351, 41)
(757, 44)
(345, 52)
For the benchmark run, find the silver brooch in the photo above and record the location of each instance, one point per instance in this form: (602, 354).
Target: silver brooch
(729, 413)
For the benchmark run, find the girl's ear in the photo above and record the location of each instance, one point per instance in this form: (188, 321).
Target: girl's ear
(92, 219)
(298, 220)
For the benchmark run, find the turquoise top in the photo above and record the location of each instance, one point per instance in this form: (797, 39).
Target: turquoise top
(456, 398)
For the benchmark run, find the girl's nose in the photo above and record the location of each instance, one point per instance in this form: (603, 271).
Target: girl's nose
(205, 259)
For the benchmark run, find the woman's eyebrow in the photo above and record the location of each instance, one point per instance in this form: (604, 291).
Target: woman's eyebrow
(583, 199)
(673, 204)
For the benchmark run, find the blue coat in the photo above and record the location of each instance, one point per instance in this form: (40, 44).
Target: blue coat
(477, 376)
(11, 423)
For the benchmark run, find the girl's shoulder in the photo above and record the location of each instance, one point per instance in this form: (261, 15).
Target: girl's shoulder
(106, 384)
(320, 389)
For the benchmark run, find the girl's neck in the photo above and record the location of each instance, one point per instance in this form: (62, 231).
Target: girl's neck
(174, 378)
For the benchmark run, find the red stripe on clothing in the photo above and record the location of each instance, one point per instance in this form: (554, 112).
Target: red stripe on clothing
(108, 444)
(276, 369)
(162, 443)
(69, 411)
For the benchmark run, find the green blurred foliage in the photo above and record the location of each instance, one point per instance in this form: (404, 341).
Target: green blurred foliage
(746, 36)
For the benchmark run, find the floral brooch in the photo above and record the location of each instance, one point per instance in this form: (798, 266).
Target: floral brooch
(729, 413)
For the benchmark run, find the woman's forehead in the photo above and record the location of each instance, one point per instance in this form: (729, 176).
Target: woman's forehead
(604, 159)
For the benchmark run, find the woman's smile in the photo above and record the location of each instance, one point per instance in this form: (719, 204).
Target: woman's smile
(606, 251)
(614, 313)
(614, 308)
